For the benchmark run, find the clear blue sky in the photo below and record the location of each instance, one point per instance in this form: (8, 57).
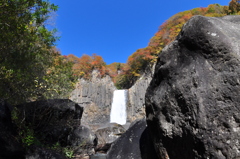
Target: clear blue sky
(114, 29)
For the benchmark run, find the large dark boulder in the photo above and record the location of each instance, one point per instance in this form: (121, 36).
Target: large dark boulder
(192, 103)
(10, 148)
(52, 121)
(133, 144)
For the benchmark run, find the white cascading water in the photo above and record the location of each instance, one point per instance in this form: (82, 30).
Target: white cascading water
(118, 112)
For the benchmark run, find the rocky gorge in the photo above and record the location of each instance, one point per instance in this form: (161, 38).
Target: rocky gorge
(96, 96)
(186, 108)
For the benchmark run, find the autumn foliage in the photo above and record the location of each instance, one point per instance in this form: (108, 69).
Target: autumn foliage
(171, 28)
(84, 65)
(125, 75)
(144, 58)
(234, 7)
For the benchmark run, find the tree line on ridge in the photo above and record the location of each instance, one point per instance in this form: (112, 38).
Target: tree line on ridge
(32, 68)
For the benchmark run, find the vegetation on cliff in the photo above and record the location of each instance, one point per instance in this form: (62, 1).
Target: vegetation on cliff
(125, 75)
(32, 68)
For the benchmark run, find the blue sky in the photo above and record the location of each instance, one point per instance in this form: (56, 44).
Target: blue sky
(114, 29)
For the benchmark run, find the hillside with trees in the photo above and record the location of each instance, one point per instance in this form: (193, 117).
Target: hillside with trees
(32, 68)
(125, 75)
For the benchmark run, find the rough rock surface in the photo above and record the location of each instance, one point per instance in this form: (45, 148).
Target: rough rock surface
(10, 148)
(52, 120)
(192, 103)
(95, 96)
(107, 135)
(36, 152)
(133, 144)
(83, 141)
(136, 94)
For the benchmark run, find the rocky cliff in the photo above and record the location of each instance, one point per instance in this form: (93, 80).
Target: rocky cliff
(95, 96)
(192, 103)
(136, 107)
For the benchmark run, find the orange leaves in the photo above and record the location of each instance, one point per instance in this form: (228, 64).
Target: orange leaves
(72, 58)
(126, 74)
(167, 32)
(97, 61)
(84, 65)
(140, 59)
(171, 28)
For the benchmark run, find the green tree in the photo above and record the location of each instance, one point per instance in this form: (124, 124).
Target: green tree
(234, 6)
(58, 80)
(25, 47)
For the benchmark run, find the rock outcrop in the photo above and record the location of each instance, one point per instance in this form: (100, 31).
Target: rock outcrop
(53, 121)
(133, 144)
(10, 147)
(36, 152)
(136, 106)
(83, 141)
(95, 96)
(192, 103)
(107, 135)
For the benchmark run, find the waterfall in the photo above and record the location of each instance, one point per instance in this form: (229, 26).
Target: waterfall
(118, 112)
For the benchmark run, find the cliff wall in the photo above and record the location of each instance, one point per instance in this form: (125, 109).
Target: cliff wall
(136, 106)
(95, 96)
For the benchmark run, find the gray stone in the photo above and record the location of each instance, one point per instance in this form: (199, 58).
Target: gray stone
(107, 135)
(83, 140)
(95, 95)
(136, 106)
(192, 103)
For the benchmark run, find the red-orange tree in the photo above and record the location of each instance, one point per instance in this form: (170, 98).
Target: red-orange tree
(139, 60)
(84, 65)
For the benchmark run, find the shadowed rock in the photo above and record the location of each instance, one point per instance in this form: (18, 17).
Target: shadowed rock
(133, 144)
(10, 148)
(52, 120)
(192, 103)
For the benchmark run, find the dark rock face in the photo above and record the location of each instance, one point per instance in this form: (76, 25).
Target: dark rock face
(52, 120)
(192, 103)
(10, 148)
(42, 153)
(133, 144)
